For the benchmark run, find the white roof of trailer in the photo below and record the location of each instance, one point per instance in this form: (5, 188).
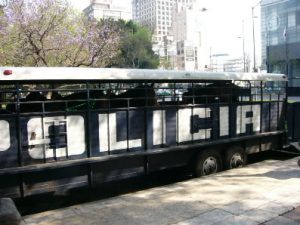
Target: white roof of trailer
(113, 74)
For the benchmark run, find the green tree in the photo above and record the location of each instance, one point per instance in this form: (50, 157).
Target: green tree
(136, 47)
(51, 33)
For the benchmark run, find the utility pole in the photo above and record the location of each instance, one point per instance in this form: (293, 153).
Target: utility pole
(243, 39)
(253, 34)
(210, 62)
(244, 55)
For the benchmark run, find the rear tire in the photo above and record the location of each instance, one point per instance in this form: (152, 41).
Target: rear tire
(207, 162)
(235, 157)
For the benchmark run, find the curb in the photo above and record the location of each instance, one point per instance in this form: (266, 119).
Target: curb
(9, 214)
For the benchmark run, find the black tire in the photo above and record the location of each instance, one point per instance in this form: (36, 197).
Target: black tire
(207, 162)
(235, 157)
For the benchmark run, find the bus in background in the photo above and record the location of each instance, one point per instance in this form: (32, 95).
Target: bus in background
(63, 128)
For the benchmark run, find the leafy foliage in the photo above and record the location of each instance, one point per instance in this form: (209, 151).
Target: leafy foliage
(50, 33)
(136, 47)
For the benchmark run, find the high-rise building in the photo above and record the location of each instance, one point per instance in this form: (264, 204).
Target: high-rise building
(280, 34)
(157, 16)
(186, 30)
(103, 9)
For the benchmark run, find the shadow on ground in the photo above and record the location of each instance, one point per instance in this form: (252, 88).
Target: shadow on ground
(45, 202)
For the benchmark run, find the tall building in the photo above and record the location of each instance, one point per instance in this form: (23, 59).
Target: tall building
(187, 56)
(280, 24)
(103, 9)
(186, 31)
(157, 16)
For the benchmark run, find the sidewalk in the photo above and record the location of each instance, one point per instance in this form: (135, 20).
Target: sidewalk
(265, 193)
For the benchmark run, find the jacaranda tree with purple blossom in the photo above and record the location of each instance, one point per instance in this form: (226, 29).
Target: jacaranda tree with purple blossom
(51, 33)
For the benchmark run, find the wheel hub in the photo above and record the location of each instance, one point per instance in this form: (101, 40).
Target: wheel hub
(209, 166)
(236, 161)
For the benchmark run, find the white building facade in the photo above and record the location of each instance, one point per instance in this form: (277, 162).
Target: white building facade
(187, 56)
(224, 62)
(186, 29)
(157, 16)
(105, 9)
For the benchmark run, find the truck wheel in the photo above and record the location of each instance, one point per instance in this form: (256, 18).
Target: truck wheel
(207, 162)
(235, 157)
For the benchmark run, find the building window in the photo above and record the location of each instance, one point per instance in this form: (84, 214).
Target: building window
(291, 20)
(274, 40)
(297, 18)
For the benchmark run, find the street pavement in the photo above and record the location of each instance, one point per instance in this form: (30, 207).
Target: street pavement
(266, 193)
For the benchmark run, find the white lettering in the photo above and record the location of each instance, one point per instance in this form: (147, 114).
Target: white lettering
(41, 131)
(184, 124)
(4, 136)
(224, 121)
(75, 135)
(243, 119)
(60, 136)
(108, 125)
(159, 127)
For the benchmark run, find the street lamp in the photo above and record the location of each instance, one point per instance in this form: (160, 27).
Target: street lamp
(253, 33)
(244, 55)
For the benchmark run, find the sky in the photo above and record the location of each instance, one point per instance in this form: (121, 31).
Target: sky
(222, 25)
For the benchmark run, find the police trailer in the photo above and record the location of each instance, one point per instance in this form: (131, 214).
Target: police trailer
(62, 128)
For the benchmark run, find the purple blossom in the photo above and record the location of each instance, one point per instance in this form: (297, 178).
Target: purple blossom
(49, 33)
